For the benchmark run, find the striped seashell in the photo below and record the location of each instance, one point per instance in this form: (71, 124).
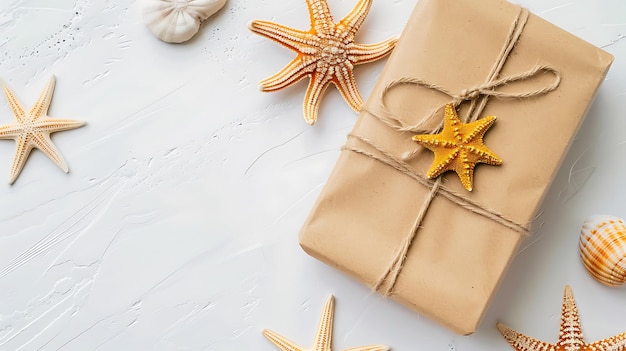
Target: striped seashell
(603, 249)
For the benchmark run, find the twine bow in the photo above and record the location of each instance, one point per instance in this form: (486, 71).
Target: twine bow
(473, 94)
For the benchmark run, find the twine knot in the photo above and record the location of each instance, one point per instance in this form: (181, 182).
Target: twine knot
(466, 94)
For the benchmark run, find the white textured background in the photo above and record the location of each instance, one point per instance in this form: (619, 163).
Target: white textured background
(176, 228)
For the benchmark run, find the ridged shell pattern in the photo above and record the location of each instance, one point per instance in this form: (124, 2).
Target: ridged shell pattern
(176, 21)
(603, 249)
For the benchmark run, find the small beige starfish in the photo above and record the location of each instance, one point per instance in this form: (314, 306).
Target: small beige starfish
(570, 335)
(33, 129)
(326, 52)
(322, 338)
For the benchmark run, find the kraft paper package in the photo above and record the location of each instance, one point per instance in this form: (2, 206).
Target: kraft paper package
(443, 251)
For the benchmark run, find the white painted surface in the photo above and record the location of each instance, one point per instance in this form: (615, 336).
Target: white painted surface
(176, 228)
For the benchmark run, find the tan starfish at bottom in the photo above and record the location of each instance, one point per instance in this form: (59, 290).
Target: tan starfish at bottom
(323, 336)
(570, 335)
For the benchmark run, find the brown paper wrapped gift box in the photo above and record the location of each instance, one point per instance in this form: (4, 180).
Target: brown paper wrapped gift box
(457, 258)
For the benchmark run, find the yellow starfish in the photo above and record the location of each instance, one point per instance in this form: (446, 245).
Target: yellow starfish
(327, 54)
(570, 335)
(32, 130)
(459, 147)
(322, 338)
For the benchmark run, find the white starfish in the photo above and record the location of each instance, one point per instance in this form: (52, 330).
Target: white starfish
(322, 337)
(33, 129)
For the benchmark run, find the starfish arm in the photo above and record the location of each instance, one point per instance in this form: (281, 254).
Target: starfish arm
(446, 153)
(478, 128)
(321, 18)
(295, 71)
(451, 124)
(445, 160)
(435, 141)
(616, 343)
(345, 82)
(484, 155)
(478, 152)
(280, 341)
(323, 336)
(42, 142)
(364, 53)
(369, 348)
(10, 131)
(353, 20)
(23, 148)
(15, 105)
(570, 336)
(43, 103)
(303, 42)
(317, 86)
(465, 170)
(58, 125)
(521, 342)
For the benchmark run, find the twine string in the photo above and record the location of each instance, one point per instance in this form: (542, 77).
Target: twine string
(517, 28)
(395, 266)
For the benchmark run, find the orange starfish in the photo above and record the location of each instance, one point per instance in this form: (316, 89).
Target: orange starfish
(570, 335)
(32, 130)
(327, 54)
(459, 147)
